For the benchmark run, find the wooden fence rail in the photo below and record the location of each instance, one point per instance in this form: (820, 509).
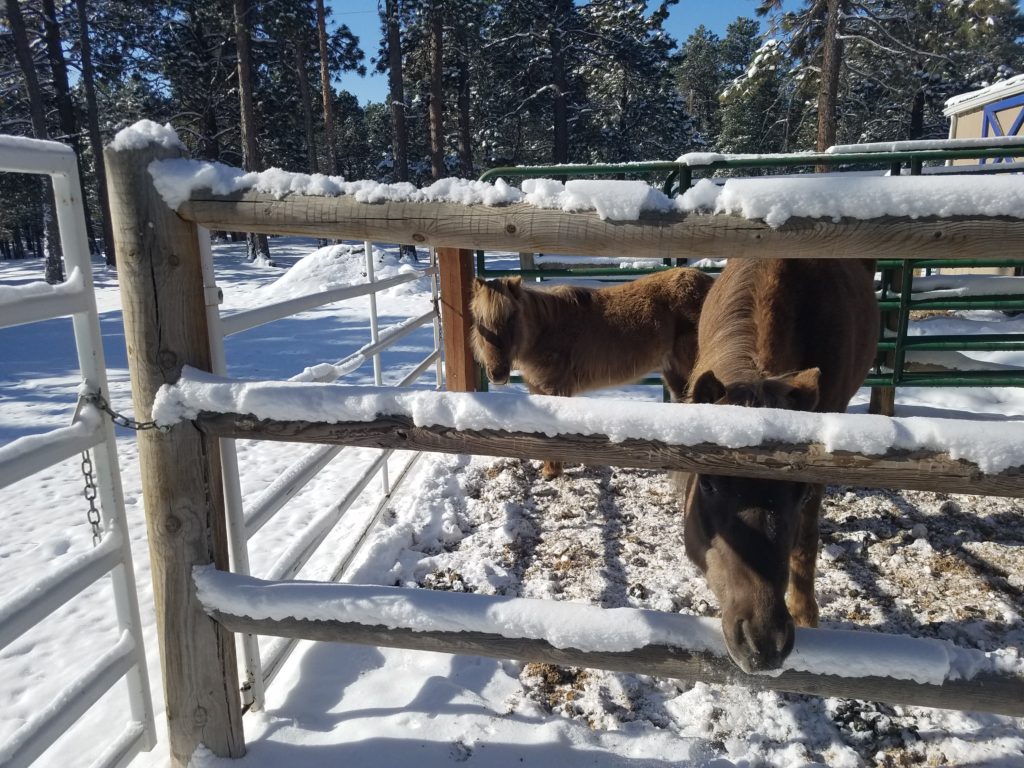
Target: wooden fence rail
(521, 227)
(919, 470)
(986, 691)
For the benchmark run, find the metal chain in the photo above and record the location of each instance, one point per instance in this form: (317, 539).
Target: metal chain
(90, 493)
(121, 420)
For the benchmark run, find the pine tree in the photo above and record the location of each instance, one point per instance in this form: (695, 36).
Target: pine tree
(636, 111)
(700, 74)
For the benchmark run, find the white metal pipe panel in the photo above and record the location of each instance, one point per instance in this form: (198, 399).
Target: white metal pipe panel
(20, 154)
(375, 341)
(251, 318)
(397, 334)
(32, 156)
(123, 749)
(36, 302)
(39, 599)
(434, 298)
(287, 484)
(35, 736)
(347, 560)
(277, 654)
(238, 548)
(313, 534)
(420, 369)
(30, 454)
(325, 373)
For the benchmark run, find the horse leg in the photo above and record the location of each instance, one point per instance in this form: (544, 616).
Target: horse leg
(802, 562)
(551, 469)
(678, 364)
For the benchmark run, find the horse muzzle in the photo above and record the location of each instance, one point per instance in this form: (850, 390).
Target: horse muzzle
(498, 375)
(757, 647)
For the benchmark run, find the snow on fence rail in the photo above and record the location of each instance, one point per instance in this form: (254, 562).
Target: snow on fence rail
(856, 664)
(23, 457)
(180, 475)
(873, 451)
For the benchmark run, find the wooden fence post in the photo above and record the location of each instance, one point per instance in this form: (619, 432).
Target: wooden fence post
(456, 266)
(160, 277)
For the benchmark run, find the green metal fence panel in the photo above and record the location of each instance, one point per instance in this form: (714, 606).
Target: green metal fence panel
(677, 176)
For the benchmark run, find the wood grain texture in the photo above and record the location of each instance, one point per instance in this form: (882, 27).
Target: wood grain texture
(984, 693)
(522, 227)
(165, 328)
(919, 470)
(456, 285)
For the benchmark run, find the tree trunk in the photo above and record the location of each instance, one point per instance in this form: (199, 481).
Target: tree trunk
(559, 81)
(19, 245)
(917, 115)
(465, 125)
(436, 92)
(95, 141)
(325, 88)
(306, 97)
(397, 95)
(828, 87)
(54, 269)
(397, 91)
(257, 248)
(210, 142)
(65, 107)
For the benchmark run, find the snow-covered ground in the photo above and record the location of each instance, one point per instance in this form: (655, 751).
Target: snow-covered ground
(925, 564)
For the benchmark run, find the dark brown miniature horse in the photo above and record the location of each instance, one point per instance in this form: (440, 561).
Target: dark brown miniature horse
(570, 339)
(793, 334)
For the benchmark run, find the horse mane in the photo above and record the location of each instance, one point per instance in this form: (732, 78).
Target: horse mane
(732, 346)
(494, 306)
(491, 307)
(547, 305)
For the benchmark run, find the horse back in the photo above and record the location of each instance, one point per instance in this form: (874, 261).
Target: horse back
(770, 317)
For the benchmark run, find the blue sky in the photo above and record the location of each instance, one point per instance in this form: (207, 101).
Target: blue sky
(361, 18)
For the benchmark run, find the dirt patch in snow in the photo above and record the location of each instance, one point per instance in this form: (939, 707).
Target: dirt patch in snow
(923, 564)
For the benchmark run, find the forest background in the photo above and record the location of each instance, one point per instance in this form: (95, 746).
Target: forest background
(473, 84)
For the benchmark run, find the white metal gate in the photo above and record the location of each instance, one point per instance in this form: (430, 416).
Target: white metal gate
(90, 431)
(257, 670)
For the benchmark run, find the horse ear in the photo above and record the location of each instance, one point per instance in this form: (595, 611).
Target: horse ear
(514, 286)
(800, 389)
(707, 389)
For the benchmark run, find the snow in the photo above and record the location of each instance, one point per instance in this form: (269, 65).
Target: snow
(14, 294)
(574, 625)
(563, 625)
(706, 158)
(601, 535)
(38, 147)
(143, 133)
(777, 200)
(177, 179)
(674, 424)
(983, 95)
(918, 145)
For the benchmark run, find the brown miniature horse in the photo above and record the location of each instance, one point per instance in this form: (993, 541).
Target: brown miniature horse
(793, 334)
(570, 339)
